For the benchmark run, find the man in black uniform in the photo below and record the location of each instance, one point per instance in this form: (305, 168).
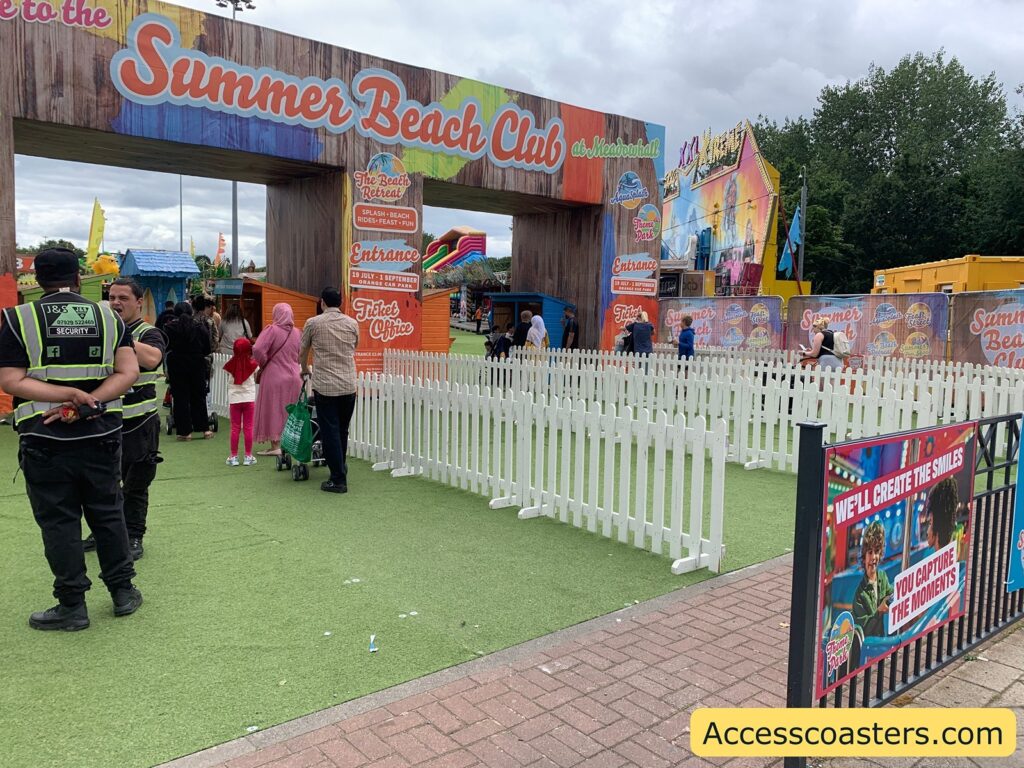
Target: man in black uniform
(140, 431)
(67, 361)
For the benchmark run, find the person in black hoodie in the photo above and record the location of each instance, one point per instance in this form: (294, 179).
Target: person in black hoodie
(188, 344)
(519, 337)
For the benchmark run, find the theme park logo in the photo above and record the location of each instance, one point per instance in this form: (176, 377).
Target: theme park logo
(382, 318)
(384, 179)
(919, 315)
(155, 69)
(703, 155)
(639, 264)
(759, 314)
(839, 645)
(1002, 334)
(600, 148)
(885, 316)
(73, 13)
(646, 223)
(916, 345)
(734, 313)
(884, 344)
(630, 191)
(390, 254)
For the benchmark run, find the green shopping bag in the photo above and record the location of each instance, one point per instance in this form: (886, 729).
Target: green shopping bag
(297, 437)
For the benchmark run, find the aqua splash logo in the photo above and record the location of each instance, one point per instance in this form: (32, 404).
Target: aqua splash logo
(886, 315)
(839, 645)
(646, 224)
(916, 345)
(384, 179)
(759, 314)
(919, 315)
(630, 191)
(883, 345)
(734, 313)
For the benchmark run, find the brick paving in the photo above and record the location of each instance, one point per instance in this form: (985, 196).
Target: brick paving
(615, 691)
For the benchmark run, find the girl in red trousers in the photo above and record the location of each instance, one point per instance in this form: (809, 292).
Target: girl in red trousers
(242, 398)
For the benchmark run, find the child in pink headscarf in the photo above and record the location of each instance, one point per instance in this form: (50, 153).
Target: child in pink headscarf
(277, 352)
(242, 398)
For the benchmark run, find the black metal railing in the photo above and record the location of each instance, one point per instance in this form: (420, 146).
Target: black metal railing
(989, 607)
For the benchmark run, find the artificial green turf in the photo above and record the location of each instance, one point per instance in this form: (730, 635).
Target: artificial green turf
(467, 342)
(245, 572)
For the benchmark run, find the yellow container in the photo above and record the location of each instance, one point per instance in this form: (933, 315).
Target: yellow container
(968, 273)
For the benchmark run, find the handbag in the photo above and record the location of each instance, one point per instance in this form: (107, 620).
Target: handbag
(297, 435)
(259, 371)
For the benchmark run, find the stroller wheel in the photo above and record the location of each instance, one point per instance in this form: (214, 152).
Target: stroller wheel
(287, 460)
(170, 426)
(300, 472)
(214, 422)
(280, 463)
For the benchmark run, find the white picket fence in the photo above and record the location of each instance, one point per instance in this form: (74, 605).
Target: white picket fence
(628, 475)
(760, 401)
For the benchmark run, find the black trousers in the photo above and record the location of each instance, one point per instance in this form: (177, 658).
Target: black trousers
(140, 453)
(333, 415)
(187, 376)
(65, 481)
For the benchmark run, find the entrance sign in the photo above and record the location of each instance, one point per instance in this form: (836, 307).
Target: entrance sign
(896, 533)
(349, 147)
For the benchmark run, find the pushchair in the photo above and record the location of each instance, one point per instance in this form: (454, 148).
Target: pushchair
(299, 470)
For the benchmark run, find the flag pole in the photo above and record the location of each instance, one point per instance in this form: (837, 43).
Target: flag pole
(803, 224)
(789, 244)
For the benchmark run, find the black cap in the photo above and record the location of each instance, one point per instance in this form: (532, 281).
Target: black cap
(56, 266)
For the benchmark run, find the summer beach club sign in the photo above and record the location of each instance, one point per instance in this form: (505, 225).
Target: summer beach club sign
(988, 328)
(740, 322)
(404, 137)
(902, 325)
(896, 544)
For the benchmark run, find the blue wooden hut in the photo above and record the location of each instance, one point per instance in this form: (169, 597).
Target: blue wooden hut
(507, 307)
(162, 274)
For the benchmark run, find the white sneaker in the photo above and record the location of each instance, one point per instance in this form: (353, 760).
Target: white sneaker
(249, 461)
(232, 461)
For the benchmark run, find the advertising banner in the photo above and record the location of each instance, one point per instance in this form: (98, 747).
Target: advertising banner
(382, 276)
(895, 544)
(741, 322)
(987, 328)
(1015, 576)
(897, 325)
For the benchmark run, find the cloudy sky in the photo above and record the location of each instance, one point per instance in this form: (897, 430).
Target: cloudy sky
(682, 64)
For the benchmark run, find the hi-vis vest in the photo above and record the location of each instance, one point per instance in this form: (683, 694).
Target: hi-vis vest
(141, 399)
(52, 330)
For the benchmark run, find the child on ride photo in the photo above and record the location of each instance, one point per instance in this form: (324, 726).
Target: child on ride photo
(242, 399)
(874, 593)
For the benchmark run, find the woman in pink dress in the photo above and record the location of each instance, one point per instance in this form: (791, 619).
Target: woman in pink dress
(277, 352)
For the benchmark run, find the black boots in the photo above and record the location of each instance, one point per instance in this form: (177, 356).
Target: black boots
(126, 601)
(61, 617)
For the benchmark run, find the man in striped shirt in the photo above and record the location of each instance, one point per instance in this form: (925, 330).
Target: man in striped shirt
(333, 337)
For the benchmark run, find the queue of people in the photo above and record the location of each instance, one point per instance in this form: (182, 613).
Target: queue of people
(83, 377)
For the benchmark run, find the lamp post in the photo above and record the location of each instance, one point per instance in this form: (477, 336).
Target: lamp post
(236, 7)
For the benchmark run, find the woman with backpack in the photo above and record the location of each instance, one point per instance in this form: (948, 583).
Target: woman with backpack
(823, 345)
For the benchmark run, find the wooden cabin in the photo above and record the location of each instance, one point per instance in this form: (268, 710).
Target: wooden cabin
(258, 298)
(436, 328)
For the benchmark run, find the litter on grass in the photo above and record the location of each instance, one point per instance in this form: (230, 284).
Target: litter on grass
(373, 644)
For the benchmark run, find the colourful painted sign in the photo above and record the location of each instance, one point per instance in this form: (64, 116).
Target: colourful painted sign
(633, 274)
(741, 322)
(386, 218)
(384, 180)
(629, 191)
(987, 328)
(601, 148)
(898, 325)
(727, 191)
(896, 534)
(155, 68)
(646, 224)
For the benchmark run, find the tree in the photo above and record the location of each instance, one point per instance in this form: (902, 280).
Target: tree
(43, 245)
(427, 240)
(919, 163)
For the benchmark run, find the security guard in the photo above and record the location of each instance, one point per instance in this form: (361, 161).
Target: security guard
(67, 361)
(140, 433)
